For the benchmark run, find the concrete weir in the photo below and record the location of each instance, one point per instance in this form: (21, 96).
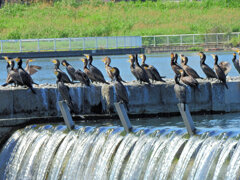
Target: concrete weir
(19, 106)
(158, 98)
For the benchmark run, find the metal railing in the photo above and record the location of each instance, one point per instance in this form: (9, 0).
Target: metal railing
(189, 39)
(69, 44)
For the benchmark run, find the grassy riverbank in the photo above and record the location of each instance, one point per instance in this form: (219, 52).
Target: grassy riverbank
(95, 18)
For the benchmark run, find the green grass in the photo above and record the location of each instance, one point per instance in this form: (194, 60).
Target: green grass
(74, 18)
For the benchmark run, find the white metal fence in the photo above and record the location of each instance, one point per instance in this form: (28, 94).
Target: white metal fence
(86, 43)
(69, 44)
(189, 39)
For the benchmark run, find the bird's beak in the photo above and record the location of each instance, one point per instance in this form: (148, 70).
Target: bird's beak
(112, 70)
(17, 59)
(64, 64)
(172, 55)
(145, 67)
(56, 73)
(31, 60)
(82, 60)
(130, 56)
(5, 57)
(54, 61)
(86, 55)
(9, 62)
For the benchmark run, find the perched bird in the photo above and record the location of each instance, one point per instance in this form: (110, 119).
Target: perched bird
(70, 70)
(86, 70)
(206, 69)
(188, 80)
(121, 91)
(64, 92)
(64, 76)
(141, 73)
(236, 63)
(13, 75)
(8, 65)
(96, 74)
(26, 79)
(189, 71)
(219, 72)
(82, 77)
(180, 91)
(31, 69)
(175, 67)
(107, 62)
(151, 71)
(225, 66)
(132, 67)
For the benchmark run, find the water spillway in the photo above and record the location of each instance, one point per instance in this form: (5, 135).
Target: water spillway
(48, 152)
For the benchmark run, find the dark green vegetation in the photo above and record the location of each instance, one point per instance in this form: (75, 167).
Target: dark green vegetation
(73, 18)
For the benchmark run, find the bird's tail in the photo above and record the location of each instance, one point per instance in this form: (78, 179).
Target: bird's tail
(5, 84)
(226, 85)
(33, 91)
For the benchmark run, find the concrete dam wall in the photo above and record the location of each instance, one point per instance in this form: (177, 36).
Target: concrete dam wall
(158, 98)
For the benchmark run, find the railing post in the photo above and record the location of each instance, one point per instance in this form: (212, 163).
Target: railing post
(107, 42)
(228, 38)
(84, 43)
(181, 40)
(96, 42)
(116, 42)
(193, 39)
(124, 41)
(70, 45)
(154, 41)
(167, 40)
(205, 38)
(38, 44)
(54, 44)
(20, 45)
(217, 38)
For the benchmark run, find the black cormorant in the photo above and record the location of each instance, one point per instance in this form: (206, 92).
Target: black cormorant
(64, 76)
(64, 91)
(31, 69)
(132, 66)
(96, 73)
(13, 75)
(175, 67)
(86, 70)
(121, 91)
(188, 80)
(219, 72)
(189, 71)
(141, 73)
(236, 63)
(107, 62)
(70, 70)
(25, 77)
(206, 69)
(225, 66)
(151, 71)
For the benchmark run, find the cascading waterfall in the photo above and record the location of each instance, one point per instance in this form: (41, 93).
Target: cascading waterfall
(53, 152)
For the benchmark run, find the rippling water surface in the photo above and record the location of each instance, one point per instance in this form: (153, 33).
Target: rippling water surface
(160, 61)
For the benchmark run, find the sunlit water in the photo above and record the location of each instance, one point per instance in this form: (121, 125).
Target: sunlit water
(160, 61)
